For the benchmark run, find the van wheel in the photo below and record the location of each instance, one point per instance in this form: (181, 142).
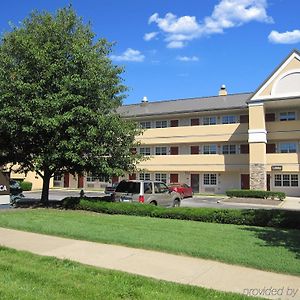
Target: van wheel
(176, 203)
(153, 203)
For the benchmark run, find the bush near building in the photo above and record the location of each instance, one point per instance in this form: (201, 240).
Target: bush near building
(252, 217)
(26, 185)
(255, 194)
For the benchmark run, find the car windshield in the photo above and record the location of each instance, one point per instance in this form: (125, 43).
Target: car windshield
(130, 187)
(174, 184)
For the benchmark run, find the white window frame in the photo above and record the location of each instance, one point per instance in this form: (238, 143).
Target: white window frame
(229, 119)
(231, 149)
(287, 116)
(208, 120)
(58, 177)
(145, 151)
(210, 179)
(146, 124)
(208, 149)
(90, 177)
(285, 147)
(286, 180)
(161, 150)
(161, 177)
(144, 176)
(161, 124)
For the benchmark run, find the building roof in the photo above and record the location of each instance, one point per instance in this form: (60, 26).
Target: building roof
(234, 101)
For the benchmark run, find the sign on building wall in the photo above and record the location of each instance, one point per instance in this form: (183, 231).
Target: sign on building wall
(4, 188)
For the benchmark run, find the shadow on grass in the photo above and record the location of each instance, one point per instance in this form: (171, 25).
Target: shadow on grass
(289, 239)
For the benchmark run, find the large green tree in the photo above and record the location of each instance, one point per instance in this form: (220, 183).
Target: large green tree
(59, 92)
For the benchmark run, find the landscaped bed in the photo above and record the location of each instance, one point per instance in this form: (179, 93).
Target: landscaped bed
(259, 247)
(27, 276)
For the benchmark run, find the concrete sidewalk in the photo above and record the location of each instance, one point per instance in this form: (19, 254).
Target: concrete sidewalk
(175, 268)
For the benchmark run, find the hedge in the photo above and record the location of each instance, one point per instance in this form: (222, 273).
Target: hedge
(255, 194)
(252, 217)
(26, 185)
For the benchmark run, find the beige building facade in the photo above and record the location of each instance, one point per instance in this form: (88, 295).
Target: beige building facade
(241, 141)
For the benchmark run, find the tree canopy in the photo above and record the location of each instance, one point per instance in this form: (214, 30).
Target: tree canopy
(59, 92)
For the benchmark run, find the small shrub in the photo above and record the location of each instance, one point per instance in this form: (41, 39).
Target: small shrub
(26, 185)
(255, 194)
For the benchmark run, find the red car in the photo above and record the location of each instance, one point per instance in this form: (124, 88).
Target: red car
(183, 189)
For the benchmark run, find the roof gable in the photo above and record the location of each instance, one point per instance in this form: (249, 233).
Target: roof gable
(283, 82)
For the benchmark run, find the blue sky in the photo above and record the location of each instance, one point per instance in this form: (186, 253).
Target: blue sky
(175, 49)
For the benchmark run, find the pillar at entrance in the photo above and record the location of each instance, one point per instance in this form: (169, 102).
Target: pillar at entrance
(257, 138)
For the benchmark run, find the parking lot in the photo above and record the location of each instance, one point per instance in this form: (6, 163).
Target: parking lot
(196, 201)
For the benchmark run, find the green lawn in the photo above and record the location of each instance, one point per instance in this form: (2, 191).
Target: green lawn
(27, 276)
(263, 248)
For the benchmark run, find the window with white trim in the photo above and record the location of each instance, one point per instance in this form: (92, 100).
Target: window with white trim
(161, 177)
(161, 124)
(286, 180)
(90, 177)
(57, 177)
(210, 149)
(229, 149)
(209, 121)
(290, 147)
(228, 119)
(144, 176)
(160, 150)
(209, 179)
(145, 151)
(287, 116)
(145, 124)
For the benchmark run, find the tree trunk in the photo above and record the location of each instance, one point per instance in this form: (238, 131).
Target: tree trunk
(45, 191)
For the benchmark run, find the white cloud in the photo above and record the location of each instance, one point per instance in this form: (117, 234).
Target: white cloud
(149, 36)
(288, 37)
(129, 55)
(187, 58)
(227, 14)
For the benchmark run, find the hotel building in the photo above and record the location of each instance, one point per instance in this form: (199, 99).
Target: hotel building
(247, 140)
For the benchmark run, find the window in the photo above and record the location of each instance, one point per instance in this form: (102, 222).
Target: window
(174, 123)
(210, 179)
(195, 122)
(210, 149)
(290, 180)
(229, 149)
(160, 188)
(209, 120)
(161, 124)
(194, 149)
(145, 125)
(160, 150)
(145, 151)
(91, 177)
(287, 148)
(287, 116)
(228, 119)
(161, 177)
(144, 176)
(57, 177)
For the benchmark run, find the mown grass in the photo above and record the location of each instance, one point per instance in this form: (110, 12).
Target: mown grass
(27, 276)
(259, 247)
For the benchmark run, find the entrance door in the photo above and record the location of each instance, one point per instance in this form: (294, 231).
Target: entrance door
(245, 181)
(173, 178)
(66, 180)
(80, 181)
(195, 182)
(132, 176)
(115, 179)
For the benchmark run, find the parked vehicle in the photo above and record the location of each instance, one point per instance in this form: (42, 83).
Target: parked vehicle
(151, 192)
(110, 189)
(183, 189)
